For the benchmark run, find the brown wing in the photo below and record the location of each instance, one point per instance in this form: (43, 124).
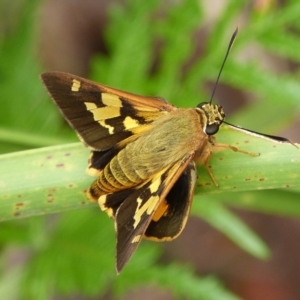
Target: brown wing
(178, 202)
(102, 116)
(134, 209)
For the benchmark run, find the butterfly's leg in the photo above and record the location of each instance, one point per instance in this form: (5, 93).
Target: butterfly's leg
(215, 147)
(203, 159)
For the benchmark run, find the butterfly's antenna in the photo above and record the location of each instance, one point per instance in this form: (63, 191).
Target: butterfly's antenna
(225, 58)
(276, 138)
(268, 136)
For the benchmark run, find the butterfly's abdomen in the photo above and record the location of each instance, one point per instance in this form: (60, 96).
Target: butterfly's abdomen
(119, 174)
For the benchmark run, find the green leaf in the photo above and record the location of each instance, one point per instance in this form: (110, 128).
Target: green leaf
(277, 166)
(285, 202)
(52, 179)
(180, 280)
(229, 224)
(45, 180)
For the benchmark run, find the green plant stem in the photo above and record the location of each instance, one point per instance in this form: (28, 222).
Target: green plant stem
(52, 179)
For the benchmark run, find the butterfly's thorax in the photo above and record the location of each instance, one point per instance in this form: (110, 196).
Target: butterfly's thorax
(166, 143)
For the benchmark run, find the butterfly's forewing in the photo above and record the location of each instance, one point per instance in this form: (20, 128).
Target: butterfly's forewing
(134, 210)
(102, 116)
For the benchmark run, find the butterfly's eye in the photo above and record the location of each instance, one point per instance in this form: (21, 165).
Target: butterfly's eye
(212, 129)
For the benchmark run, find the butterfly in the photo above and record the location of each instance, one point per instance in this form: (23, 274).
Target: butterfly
(143, 152)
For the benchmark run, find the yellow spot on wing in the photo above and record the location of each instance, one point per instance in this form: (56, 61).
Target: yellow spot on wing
(102, 113)
(136, 239)
(76, 85)
(155, 185)
(111, 100)
(147, 208)
(130, 123)
(105, 112)
(150, 204)
(139, 201)
(90, 105)
(110, 128)
(101, 201)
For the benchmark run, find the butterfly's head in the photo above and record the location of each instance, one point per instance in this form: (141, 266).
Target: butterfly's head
(213, 115)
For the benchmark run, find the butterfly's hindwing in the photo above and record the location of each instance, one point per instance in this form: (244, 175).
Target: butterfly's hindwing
(99, 159)
(178, 202)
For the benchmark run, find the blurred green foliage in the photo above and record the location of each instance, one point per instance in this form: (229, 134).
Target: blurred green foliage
(72, 253)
